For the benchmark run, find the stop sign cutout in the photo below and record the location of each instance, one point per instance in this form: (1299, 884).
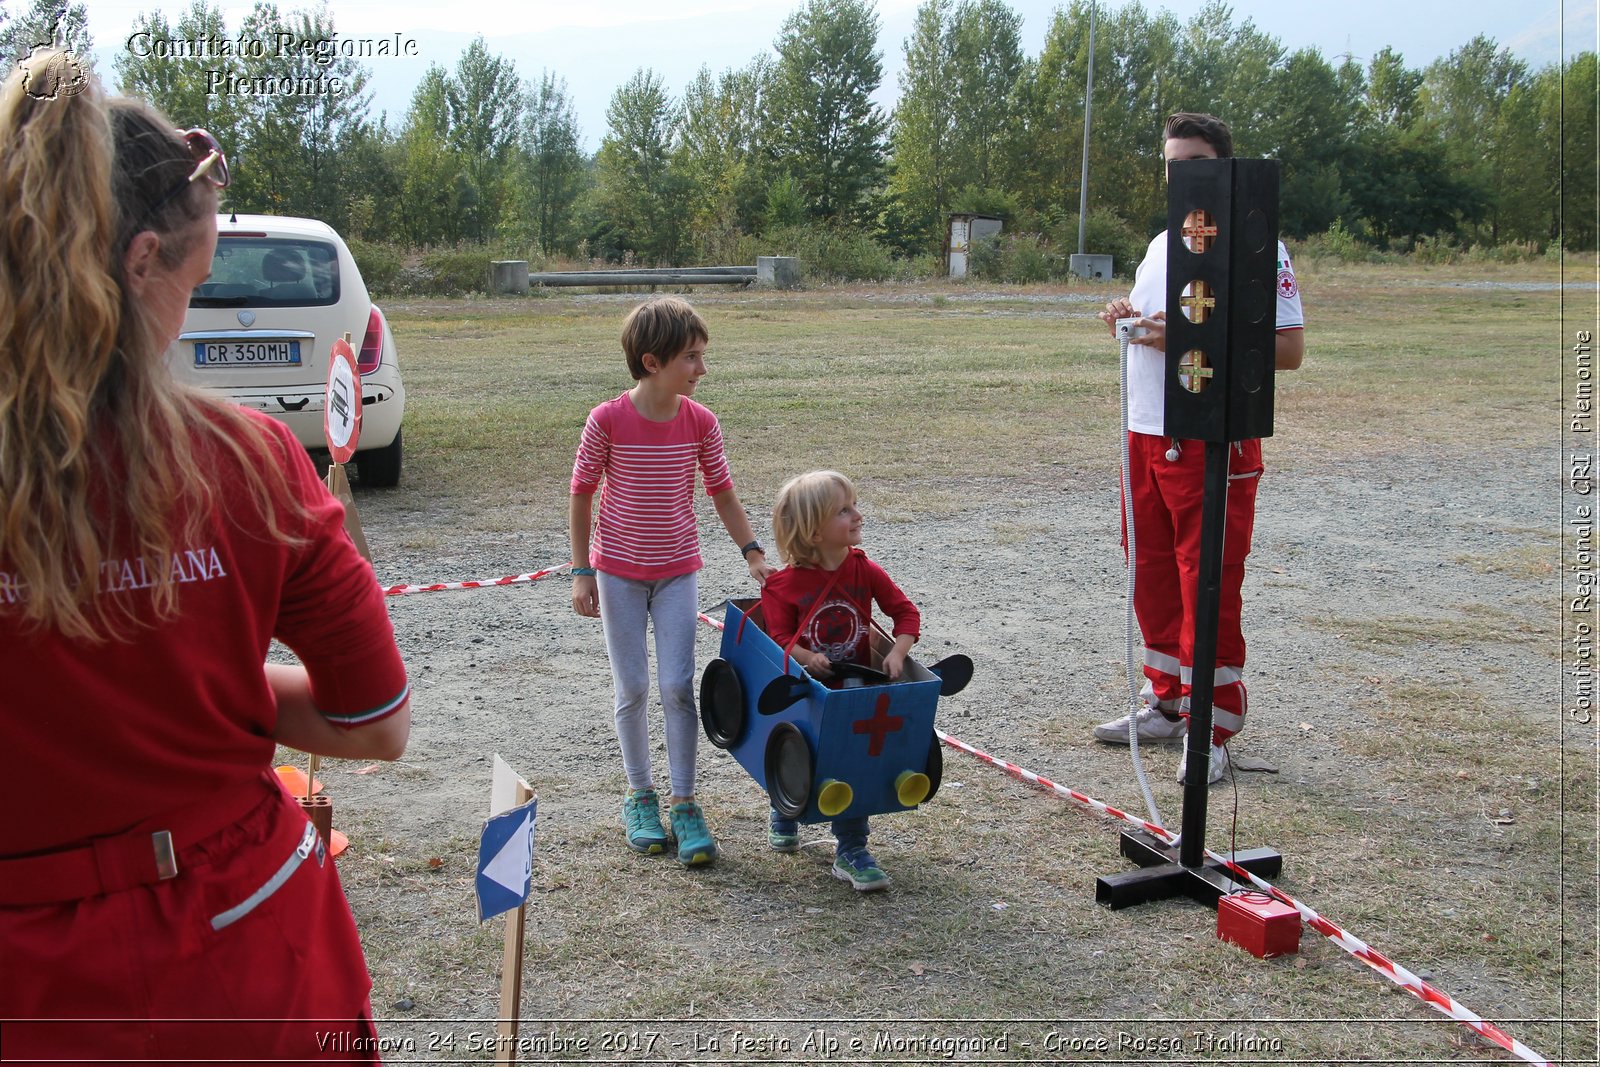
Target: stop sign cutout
(341, 414)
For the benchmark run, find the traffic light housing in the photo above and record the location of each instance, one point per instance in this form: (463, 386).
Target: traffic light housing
(1222, 275)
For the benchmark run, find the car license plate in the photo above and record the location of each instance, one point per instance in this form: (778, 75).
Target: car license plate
(247, 354)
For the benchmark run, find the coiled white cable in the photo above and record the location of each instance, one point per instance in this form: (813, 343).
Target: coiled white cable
(1131, 624)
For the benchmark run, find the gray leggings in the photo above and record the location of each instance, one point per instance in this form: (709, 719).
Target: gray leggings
(671, 603)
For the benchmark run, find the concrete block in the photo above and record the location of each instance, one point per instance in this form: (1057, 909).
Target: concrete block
(779, 272)
(509, 276)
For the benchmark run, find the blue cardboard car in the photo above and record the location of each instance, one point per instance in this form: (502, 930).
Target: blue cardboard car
(864, 749)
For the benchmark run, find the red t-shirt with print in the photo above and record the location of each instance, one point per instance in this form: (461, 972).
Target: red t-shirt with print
(840, 628)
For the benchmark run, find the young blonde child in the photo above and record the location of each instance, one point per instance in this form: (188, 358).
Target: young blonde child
(819, 609)
(641, 451)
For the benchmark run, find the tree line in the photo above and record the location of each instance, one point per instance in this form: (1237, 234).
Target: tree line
(1474, 148)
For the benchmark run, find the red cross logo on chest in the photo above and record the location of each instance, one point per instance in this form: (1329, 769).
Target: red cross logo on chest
(880, 725)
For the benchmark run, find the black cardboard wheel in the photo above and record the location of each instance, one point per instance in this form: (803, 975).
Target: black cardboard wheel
(722, 710)
(790, 768)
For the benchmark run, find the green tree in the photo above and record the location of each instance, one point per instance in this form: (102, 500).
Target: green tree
(1316, 111)
(485, 101)
(829, 134)
(640, 197)
(1568, 117)
(178, 84)
(1137, 84)
(428, 209)
(554, 166)
(986, 48)
(1392, 90)
(923, 129)
(302, 109)
(1225, 69)
(1472, 98)
(722, 153)
(1398, 175)
(371, 182)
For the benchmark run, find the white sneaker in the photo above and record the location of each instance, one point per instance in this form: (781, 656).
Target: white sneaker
(1153, 726)
(1219, 764)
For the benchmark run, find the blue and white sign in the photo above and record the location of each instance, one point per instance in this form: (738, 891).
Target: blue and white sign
(505, 860)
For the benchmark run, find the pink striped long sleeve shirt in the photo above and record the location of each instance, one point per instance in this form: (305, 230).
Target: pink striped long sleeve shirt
(645, 473)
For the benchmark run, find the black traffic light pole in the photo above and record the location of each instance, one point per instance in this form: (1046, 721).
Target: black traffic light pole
(1221, 275)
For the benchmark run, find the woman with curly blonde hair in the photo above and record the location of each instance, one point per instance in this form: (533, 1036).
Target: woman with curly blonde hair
(157, 886)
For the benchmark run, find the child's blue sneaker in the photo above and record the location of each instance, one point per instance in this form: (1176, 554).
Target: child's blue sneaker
(783, 835)
(641, 820)
(857, 867)
(695, 843)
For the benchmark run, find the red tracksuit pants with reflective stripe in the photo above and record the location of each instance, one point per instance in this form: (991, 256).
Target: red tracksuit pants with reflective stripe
(1167, 496)
(142, 974)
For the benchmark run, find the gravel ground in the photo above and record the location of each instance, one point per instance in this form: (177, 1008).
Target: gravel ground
(1388, 579)
(1031, 587)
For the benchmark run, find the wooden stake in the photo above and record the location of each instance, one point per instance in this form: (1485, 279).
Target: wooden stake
(510, 791)
(339, 486)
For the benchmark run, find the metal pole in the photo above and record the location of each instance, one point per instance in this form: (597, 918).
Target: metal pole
(1208, 599)
(1088, 107)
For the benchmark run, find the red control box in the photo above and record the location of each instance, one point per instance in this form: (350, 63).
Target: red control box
(1258, 924)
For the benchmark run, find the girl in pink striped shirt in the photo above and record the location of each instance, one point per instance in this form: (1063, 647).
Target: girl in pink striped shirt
(641, 565)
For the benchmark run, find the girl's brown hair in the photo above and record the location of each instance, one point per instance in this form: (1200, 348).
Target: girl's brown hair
(664, 327)
(99, 446)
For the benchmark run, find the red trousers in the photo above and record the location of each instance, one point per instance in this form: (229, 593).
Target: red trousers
(1167, 498)
(247, 954)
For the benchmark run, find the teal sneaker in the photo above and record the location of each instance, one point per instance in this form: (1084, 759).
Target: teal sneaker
(641, 819)
(695, 843)
(859, 869)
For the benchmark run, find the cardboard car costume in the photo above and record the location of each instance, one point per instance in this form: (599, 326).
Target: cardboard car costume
(865, 749)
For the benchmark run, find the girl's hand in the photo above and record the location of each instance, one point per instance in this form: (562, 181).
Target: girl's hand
(586, 596)
(760, 570)
(818, 665)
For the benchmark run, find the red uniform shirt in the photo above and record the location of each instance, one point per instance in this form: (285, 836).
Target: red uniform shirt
(841, 626)
(101, 736)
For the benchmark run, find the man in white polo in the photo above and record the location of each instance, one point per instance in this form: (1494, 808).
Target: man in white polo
(1166, 477)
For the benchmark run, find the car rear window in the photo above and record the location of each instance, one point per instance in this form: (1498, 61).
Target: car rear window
(270, 272)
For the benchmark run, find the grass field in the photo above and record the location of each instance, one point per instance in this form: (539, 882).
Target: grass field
(1431, 805)
(955, 383)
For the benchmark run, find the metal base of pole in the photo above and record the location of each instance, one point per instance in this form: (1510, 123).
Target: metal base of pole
(1161, 875)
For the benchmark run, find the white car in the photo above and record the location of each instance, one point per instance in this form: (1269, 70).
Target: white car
(260, 328)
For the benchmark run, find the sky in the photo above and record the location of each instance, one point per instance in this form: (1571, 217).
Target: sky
(597, 46)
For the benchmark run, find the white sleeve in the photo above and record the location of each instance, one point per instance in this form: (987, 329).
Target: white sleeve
(1290, 315)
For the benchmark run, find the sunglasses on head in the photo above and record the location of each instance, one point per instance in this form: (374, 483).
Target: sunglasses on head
(209, 163)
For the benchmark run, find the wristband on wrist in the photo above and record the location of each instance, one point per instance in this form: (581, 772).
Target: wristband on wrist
(753, 546)
(584, 572)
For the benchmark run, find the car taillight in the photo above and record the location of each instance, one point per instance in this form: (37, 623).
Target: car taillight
(371, 345)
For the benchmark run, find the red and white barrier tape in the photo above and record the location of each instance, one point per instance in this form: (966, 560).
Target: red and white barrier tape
(1406, 980)
(1412, 984)
(1358, 948)
(439, 587)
